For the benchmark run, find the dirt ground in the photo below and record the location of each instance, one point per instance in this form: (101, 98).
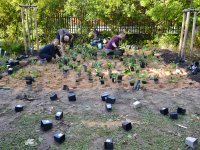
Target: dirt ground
(184, 93)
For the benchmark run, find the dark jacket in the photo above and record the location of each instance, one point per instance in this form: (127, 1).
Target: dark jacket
(51, 50)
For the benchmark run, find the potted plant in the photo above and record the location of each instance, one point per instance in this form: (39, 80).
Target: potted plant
(102, 80)
(110, 66)
(143, 77)
(119, 78)
(155, 78)
(114, 77)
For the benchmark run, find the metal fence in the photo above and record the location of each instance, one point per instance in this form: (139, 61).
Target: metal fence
(75, 25)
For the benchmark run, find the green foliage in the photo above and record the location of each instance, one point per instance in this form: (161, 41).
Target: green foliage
(12, 47)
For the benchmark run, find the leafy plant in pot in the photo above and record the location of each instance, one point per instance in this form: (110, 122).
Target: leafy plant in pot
(143, 77)
(156, 78)
(89, 74)
(102, 80)
(110, 66)
(114, 77)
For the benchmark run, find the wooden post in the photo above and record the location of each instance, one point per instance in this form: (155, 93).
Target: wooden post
(193, 32)
(185, 36)
(36, 30)
(23, 29)
(27, 22)
(182, 32)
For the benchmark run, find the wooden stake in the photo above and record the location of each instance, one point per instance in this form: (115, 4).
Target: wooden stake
(185, 37)
(23, 29)
(35, 18)
(27, 21)
(182, 32)
(193, 33)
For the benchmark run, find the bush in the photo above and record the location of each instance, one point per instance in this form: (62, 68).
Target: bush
(12, 47)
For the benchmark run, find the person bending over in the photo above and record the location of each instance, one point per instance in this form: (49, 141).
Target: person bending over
(64, 36)
(113, 43)
(49, 51)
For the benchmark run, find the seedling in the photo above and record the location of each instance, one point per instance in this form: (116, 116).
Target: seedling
(59, 115)
(114, 77)
(126, 126)
(59, 137)
(164, 111)
(108, 144)
(19, 108)
(46, 125)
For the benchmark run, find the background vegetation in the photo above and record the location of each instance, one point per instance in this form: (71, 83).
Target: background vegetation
(115, 13)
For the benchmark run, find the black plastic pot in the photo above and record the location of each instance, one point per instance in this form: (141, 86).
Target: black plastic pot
(59, 115)
(173, 115)
(10, 71)
(19, 108)
(110, 99)
(108, 144)
(74, 58)
(65, 87)
(137, 71)
(72, 96)
(102, 81)
(164, 111)
(142, 64)
(53, 96)
(59, 137)
(119, 78)
(132, 68)
(155, 80)
(46, 125)
(28, 82)
(113, 80)
(85, 68)
(104, 96)
(181, 111)
(109, 107)
(126, 126)
(144, 82)
(131, 83)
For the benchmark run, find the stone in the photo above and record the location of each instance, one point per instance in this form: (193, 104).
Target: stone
(19, 108)
(164, 111)
(59, 115)
(191, 142)
(126, 126)
(110, 99)
(59, 137)
(108, 144)
(46, 125)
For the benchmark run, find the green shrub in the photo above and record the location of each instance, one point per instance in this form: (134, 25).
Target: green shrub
(12, 47)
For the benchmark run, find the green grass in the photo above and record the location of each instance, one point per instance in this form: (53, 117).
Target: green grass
(154, 132)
